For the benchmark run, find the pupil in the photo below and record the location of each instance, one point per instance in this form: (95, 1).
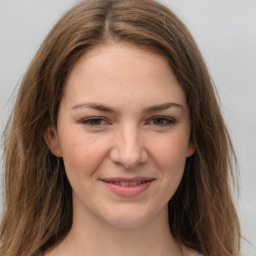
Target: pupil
(96, 121)
(158, 121)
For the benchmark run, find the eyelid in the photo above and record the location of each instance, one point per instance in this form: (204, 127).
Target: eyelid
(86, 121)
(170, 120)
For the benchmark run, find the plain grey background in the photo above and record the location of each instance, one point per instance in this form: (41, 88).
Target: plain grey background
(225, 31)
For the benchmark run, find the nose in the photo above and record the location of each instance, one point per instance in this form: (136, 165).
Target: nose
(128, 148)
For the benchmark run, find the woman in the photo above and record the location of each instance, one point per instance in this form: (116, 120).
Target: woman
(116, 144)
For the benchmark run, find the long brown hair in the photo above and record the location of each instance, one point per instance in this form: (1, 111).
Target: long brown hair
(38, 202)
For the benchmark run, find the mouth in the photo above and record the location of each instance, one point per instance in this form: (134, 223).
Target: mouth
(127, 183)
(128, 187)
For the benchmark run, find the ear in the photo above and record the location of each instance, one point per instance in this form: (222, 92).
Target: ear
(190, 149)
(52, 140)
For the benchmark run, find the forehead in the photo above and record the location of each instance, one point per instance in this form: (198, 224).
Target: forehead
(112, 71)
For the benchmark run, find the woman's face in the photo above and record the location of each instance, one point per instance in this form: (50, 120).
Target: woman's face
(123, 132)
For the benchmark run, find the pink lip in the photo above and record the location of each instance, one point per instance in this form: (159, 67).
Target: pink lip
(127, 191)
(127, 179)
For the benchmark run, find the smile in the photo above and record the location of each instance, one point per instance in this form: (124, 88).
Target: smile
(127, 187)
(127, 183)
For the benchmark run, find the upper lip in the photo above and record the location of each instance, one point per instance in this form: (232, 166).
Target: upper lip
(114, 179)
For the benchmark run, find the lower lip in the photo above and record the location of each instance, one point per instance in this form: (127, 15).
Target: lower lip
(128, 191)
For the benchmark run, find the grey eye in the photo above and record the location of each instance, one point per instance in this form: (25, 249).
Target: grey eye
(161, 121)
(94, 121)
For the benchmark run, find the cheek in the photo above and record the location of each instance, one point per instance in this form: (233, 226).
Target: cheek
(171, 151)
(82, 154)
(170, 158)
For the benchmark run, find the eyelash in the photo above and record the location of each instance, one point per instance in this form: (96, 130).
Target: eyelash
(166, 121)
(89, 121)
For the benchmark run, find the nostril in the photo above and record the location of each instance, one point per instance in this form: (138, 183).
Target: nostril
(128, 158)
(128, 147)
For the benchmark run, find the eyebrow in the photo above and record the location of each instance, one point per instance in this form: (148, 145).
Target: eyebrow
(107, 109)
(164, 106)
(96, 106)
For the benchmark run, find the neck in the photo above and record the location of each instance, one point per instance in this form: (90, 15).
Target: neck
(95, 237)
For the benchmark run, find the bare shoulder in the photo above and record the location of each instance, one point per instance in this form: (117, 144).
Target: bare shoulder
(54, 251)
(190, 252)
(194, 253)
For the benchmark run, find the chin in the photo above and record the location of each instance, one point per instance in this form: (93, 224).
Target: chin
(128, 219)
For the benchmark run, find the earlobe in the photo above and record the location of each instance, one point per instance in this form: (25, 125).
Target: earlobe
(191, 149)
(52, 140)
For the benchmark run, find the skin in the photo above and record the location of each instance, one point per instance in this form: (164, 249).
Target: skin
(141, 127)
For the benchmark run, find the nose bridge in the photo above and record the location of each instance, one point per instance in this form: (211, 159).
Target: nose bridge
(130, 140)
(129, 150)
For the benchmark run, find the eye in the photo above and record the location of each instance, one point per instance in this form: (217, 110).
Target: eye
(95, 121)
(160, 121)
